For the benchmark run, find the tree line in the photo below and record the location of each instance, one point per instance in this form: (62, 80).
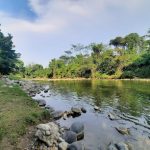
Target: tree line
(122, 57)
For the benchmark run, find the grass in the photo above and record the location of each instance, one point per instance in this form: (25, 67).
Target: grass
(17, 113)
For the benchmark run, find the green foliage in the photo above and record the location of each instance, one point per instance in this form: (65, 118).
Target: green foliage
(124, 57)
(8, 56)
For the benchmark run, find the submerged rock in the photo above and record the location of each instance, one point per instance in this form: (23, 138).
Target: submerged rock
(122, 146)
(76, 146)
(112, 147)
(78, 128)
(70, 137)
(118, 146)
(122, 130)
(83, 109)
(112, 116)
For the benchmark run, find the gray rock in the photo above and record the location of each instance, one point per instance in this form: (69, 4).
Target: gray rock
(78, 128)
(48, 133)
(122, 146)
(122, 130)
(65, 116)
(46, 91)
(41, 102)
(50, 109)
(83, 109)
(44, 127)
(70, 137)
(63, 146)
(76, 146)
(97, 108)
(40, 135)
(76, 111)
(112, 147)
(112, 116)
(57, 114)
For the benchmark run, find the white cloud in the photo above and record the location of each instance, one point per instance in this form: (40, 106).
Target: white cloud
(68, 18)
(53, 15)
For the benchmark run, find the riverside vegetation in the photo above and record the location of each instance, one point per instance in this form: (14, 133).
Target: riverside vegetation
(123, 57)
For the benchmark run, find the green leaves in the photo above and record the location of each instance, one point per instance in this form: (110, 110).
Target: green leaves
(8, 56)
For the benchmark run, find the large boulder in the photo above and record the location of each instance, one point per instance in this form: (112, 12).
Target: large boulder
(78, 128)
(76, 146)
(48, 133)
(70, 137)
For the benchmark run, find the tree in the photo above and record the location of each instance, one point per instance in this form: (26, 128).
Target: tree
(8, 56)
(117, 42)
(133, 42)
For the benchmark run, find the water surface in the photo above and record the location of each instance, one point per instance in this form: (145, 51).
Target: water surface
(130, 97)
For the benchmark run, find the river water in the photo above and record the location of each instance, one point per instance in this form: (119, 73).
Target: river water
(129, 97)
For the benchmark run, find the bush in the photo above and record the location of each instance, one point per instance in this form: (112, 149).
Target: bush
(127, 74)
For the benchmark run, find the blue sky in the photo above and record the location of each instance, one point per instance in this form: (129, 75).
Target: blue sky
(44, 29)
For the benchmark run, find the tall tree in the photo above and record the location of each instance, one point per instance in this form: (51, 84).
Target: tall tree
(8, 56)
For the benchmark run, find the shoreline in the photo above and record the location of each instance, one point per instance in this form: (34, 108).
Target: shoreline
(82, 79)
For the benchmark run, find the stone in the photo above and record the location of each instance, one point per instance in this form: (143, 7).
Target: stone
(122, 130)
(76, 146)
(48, 133)
(112, 147)
(46, 91)
(78, 128)
(112, 116)
(41, 102)
(57, 114)
(63, 146)
(122, 146)
(39, 134)
(54, 127)
(97, 108)
(83, 109)
(65, 116)
(44, 127)
(76, 111)
(70, 137)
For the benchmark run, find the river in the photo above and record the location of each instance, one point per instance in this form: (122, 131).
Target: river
(129, 97)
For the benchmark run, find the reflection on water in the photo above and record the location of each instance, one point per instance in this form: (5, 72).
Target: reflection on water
(131, 97)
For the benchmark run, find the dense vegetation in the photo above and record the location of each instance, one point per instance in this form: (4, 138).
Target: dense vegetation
(8, 56)
(123, 57)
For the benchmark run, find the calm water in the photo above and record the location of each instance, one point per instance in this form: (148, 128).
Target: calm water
(130, 97)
